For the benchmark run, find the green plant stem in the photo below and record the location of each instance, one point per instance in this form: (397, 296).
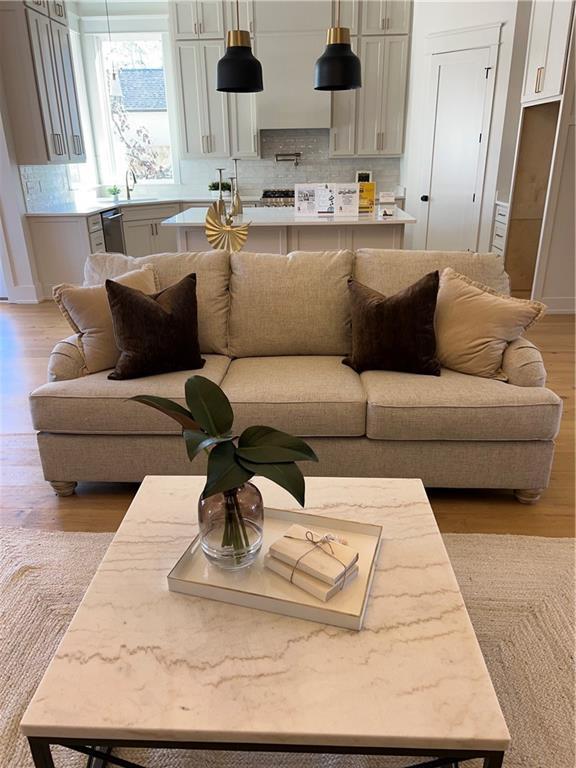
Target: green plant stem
(235, 532)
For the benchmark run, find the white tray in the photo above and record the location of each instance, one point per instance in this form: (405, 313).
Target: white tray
(259, 587)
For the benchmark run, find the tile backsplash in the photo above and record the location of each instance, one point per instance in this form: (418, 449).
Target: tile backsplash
(47, 186)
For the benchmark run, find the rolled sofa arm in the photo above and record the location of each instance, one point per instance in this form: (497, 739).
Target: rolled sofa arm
(66, 360)
(522, 364)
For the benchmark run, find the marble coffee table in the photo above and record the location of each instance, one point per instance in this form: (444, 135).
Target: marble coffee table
(142, 666)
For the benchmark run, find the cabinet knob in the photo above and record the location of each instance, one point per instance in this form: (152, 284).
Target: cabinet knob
(424, 198)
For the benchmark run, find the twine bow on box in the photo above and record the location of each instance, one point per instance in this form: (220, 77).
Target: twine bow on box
(319, 543)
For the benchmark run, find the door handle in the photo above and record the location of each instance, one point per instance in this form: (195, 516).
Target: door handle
(424, 198)
(538, 84)
(195, 28)
(199, 27)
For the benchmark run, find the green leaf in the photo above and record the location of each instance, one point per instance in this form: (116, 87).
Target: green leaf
(209, 405)
(287, 476)
(267, 445)
(224, 472)
(198, 441)
(170, 408)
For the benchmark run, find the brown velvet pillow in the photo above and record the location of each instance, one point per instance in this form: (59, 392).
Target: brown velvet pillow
(394, 333)
(155, 333)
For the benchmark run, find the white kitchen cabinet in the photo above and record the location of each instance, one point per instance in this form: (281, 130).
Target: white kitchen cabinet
(343, 124)
(246, 11)
(68, 92)
(203, 109)
(548, 39)
(348, 14)
(381, 100)
(381, 17)
(143, 233)
(57, 11)
(242, 110)
(289, 99)
(201, 19)
(42, 101)
(300, 16)
(38, 5)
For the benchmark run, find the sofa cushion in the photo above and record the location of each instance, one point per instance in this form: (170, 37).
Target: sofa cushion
(97, 405)
(307, 396)
(289, 305)
(390, 271)
(456, 406)
(212, 269)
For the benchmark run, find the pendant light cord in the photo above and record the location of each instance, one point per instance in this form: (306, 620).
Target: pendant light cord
(237, 14)
(338, 13)
(108, 21)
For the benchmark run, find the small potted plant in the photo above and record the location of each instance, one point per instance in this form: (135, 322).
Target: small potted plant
(114, 191)
(230, 509)
(214, 188)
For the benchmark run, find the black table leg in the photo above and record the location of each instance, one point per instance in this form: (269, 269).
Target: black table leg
(99, 762)
(494, 761)
(41, 753)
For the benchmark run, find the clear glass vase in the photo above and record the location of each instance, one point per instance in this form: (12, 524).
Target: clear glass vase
(231, 525)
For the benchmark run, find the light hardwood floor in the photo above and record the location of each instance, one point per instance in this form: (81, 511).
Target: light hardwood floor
(28, 333)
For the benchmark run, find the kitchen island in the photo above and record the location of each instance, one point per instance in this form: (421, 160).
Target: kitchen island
(278, 230)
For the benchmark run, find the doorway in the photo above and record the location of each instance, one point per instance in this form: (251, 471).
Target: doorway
(454, 159)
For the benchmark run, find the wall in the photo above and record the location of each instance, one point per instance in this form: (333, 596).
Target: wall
(433, 17)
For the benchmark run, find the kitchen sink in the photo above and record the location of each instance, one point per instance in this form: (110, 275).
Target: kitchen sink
(123, 200)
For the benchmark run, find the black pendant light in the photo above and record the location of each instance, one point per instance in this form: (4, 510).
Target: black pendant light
(338, 69)
(239, 71)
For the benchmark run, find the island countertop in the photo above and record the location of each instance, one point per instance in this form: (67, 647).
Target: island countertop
(284, 217)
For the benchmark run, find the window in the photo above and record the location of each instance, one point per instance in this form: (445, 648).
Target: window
(132, 88)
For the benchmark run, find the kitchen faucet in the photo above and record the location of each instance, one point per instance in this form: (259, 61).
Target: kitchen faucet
(130, 173)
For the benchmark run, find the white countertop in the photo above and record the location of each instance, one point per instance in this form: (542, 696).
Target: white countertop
(138, 661)
(284, 217)
(104, 204)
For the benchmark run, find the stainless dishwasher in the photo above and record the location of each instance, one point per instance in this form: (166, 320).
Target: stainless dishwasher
(113, 230)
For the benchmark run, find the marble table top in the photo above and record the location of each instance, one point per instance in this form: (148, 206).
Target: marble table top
(285, 217)
(140, 662)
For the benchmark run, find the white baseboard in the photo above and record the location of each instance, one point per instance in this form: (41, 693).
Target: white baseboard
(24, 294)
(559, 305)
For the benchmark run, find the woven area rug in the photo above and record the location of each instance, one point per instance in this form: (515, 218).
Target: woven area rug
(519, 592)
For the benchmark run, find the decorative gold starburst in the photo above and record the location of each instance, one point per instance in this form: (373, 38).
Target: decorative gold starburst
(224, 234)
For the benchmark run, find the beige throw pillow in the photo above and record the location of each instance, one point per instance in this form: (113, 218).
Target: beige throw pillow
(475, 324)
(88, 312)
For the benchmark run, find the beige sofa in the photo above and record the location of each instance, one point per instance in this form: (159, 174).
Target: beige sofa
(273, 331)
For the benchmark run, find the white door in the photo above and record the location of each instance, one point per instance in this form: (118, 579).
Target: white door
(210, 17)
(243, 125)
(217, 142)
(190, 87)
(374, 17)
(461, 92)
(67, 83)
(393, 108)
(398, 17)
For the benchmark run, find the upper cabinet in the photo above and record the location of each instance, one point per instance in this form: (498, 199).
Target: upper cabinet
(42, 99)
(370, 121)
(246, 13)
(202, 19)
(548, 39)
(348, 14)
(386, 17)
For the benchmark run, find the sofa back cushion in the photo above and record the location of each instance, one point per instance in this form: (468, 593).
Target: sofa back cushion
(289, 305)
(390, 271)
(212, 270)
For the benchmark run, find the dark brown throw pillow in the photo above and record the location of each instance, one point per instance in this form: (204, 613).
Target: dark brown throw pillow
(155, 333)
(394, 333)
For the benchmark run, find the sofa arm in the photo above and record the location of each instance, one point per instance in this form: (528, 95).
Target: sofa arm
(522, 364)
(66, 360)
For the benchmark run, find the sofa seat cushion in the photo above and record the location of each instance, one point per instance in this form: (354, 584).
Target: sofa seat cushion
(306, 395)
(456, 406)
(96, 405)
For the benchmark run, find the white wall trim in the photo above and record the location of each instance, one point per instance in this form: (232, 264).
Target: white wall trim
(481, 36)
(98, 24)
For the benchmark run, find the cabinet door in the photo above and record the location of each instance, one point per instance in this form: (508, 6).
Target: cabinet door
(369, 128)
(210, 19)
(243, 125)
(47, 84)
(348, 14)
(38, 5)
(289, 99)
(189, 82)
(139, 237)
(68, 92)
(397, 19)
(393, 105)
(373, 17)
(343, 124)
(165, 238)
(292, 16)
(246, 9)
(57, 11)
(217, 142)
(185, 23)
(540, 21)
(553, 77)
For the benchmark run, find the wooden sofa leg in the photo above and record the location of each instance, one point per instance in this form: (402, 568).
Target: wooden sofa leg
(63, 488)
(530, 496)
